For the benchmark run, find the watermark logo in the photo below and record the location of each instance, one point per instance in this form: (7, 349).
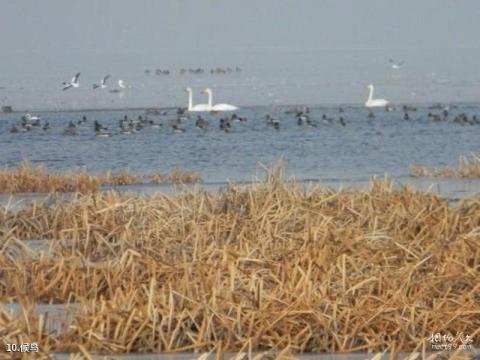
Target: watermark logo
(460, 341)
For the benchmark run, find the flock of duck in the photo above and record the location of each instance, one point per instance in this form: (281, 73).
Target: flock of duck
(183, 116)
(182, 71)
(128, 125)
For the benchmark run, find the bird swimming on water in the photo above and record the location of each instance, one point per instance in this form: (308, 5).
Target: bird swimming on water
(371, 102)
(201, 123)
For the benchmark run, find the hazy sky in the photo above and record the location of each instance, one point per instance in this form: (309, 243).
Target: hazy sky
(55, 38)
(150, 25)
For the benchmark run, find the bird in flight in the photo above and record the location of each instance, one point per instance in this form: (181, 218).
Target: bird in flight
(121, 87)
(73, 83)
(396, 64)
(103, 83)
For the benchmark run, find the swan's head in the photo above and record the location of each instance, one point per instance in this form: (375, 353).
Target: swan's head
(207, 91)
(188, 89)
(370, 86)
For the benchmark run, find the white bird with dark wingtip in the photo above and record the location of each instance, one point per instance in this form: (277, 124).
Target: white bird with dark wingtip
(396, 65)
(73, 83)
(121, 87)
(103, 83)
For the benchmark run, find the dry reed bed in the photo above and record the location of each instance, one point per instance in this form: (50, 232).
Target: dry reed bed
(466, 168)
(273, 265)
(27, 178)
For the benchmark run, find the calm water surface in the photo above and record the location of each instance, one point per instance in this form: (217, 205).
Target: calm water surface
(329, 152)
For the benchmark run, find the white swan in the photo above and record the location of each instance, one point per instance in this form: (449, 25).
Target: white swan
(198, 107)
(371, 102)
(30, 117)
(218, 107)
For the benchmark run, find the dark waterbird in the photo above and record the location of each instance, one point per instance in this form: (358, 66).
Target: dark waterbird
(177, 129)
(201, 123)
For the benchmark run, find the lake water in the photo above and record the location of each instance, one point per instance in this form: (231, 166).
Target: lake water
(328, 153)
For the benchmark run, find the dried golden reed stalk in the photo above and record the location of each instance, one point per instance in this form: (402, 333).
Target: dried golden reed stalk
(266, 267)
(467, 168)
(26, 178)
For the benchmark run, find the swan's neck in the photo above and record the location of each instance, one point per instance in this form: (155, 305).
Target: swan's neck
(190, 100)
(210, 100)
(370, 95)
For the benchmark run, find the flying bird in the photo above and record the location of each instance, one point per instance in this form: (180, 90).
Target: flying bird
(73, 83)
(103, 83)
(121, 87)
(396, 65)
